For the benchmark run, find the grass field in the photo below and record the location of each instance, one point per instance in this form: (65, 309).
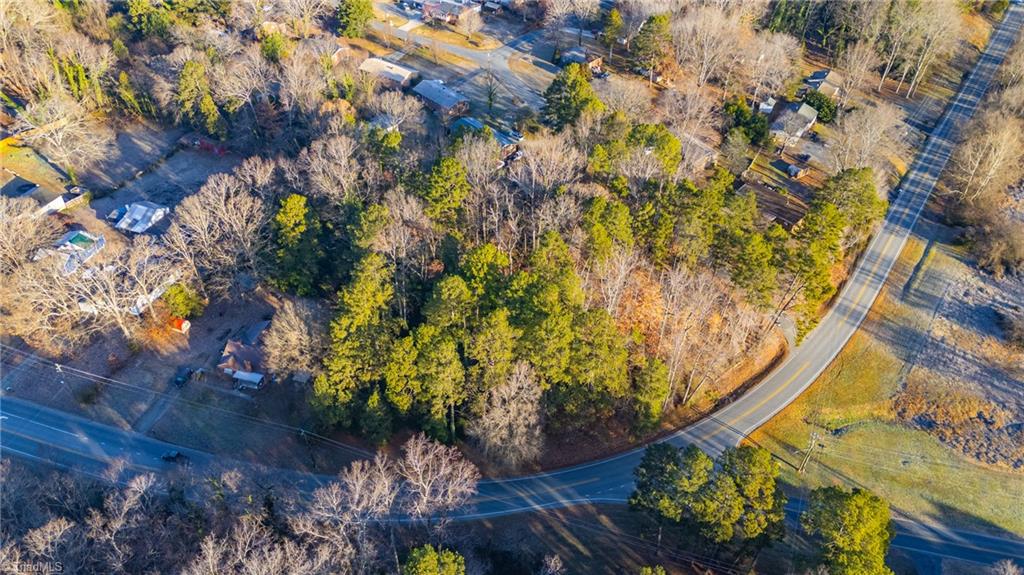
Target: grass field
(861, 443)
(25, 162)
(446, 35)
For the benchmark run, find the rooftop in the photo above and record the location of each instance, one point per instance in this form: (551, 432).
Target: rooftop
(14, 186)
(140, 216)
(439, 94)
(794, 118)
(388, 70)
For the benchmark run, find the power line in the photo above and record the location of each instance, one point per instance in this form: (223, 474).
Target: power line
(96, 378)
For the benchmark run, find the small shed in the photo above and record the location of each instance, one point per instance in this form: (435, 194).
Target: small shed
(389, 73)
(444, 101)
(767, 106)
(797, 171)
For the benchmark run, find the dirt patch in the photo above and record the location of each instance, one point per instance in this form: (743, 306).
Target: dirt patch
(167, 180)
(136, 146)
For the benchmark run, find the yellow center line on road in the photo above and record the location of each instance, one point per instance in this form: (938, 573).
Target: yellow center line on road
(867, 282)
(759, 405)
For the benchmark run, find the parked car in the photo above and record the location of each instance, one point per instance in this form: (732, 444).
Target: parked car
(804, 157)
(174, 457)
(183, 375)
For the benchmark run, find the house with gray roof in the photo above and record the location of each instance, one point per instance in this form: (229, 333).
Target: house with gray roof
(794, 121)
(444, 101)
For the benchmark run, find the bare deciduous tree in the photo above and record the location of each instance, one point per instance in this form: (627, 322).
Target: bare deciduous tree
(862, 135)
(509, 429)
(470, 24)
(297, 338)
(1011, 73)
(686, 110)
(330, 166)
(989, 158)
(22, 231)
(898, 34)
(857, 62)
(705, 43)
(481, 156)
(65, 131)
(57, 310)
(302, 86)
(436, 479)
(621, 95)
(547, 162)
(940, 27)
(552, 565)
(220, 234)
(704, 330)
(1005, 567)
(304, 13)
(772, 62)
(397, 108)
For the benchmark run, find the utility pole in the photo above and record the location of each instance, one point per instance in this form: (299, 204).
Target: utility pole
(810, 450)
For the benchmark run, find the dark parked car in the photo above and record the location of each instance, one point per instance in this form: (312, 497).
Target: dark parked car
(183, 375)
(174, 457)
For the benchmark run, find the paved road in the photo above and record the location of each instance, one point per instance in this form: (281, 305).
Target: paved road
(33, 432)
(39, 433)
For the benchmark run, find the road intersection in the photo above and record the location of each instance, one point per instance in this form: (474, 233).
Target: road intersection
(40, 433)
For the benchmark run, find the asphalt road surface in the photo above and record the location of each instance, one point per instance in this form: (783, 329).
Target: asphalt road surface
(38, 433)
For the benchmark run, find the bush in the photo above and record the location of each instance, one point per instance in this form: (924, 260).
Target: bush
(996, 240)
(183, 301)
(1013, 328)
(273, 47)
(823, 104)
(739, 116)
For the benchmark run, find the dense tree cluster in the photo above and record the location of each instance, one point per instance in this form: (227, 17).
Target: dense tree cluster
(736, 500)
(733, 499)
